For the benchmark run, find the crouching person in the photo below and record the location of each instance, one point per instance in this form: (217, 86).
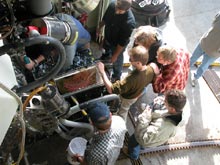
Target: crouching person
(157, 123)
(104, 147)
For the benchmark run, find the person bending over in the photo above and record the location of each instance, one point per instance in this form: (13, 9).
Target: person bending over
(157, 123)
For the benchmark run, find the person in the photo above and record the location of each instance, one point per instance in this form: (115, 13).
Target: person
(157, 123)
(119, 22)
(38, 53)
(175, 70)
(108, 139)
(150, 37)
(208, 48)
(82, 43)
(132, 86)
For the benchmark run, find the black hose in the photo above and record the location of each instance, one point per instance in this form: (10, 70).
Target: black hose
(54, 71)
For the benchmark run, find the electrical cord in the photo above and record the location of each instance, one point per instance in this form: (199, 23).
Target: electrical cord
(20, 116)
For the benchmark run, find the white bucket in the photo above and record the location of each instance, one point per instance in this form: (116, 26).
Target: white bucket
(76, 146)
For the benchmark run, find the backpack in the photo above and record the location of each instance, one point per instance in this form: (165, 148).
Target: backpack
(150, 12)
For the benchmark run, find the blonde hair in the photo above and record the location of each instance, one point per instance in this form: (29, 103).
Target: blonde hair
(146, 36)
(168, 53)
(139, 53)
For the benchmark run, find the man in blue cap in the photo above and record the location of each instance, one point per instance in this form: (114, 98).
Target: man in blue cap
(108, 139)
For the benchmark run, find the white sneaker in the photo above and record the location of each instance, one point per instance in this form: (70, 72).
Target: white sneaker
(194, 81)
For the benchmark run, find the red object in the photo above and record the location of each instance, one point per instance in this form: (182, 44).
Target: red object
(43, 30)
(83, 18)
(30, 28)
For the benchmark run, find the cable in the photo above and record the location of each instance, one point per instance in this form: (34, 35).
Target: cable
(34, 92)
(12, 20)
(20, 116)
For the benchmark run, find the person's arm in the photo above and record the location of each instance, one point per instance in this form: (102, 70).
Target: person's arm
(155, 131)
(30, 64)
(116, 53)
(144, 118)
(162, 80)
(105, 79)
(100, 26)
(155, 68)
(99, 31)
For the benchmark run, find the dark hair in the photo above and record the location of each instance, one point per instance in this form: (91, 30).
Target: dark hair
(123, 4)
(175, 118)
(103, 126)
(175, 98)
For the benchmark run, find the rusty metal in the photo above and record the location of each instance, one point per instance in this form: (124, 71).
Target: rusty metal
(172, 147)
(181, 146)
(77, 81)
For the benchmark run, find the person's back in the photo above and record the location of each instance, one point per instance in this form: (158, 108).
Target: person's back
(105, 148)
(132, 86)
(108, 139)
(158, 122)
(81, 42)
(208, 48)
(84, 36)
(210, 41)
(164, 128)
(175, 70)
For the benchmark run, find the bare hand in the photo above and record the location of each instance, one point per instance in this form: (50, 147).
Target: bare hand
(78, 158)
(101, 67)
(155, 68)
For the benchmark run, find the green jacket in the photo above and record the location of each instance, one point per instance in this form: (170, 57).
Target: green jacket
(134, 83)
(155, 128)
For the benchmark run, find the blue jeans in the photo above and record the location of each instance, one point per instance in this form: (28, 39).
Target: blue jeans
(133, 147)
(118, 64)
(206, 61)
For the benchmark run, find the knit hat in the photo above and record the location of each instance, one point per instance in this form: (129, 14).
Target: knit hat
(98, 112)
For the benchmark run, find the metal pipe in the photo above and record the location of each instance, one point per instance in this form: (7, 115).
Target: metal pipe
(73, 124)
(81, 106)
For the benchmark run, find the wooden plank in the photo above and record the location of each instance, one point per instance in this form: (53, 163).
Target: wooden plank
(213, 81)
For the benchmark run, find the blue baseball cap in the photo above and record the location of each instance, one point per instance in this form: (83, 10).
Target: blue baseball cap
(98, 112)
